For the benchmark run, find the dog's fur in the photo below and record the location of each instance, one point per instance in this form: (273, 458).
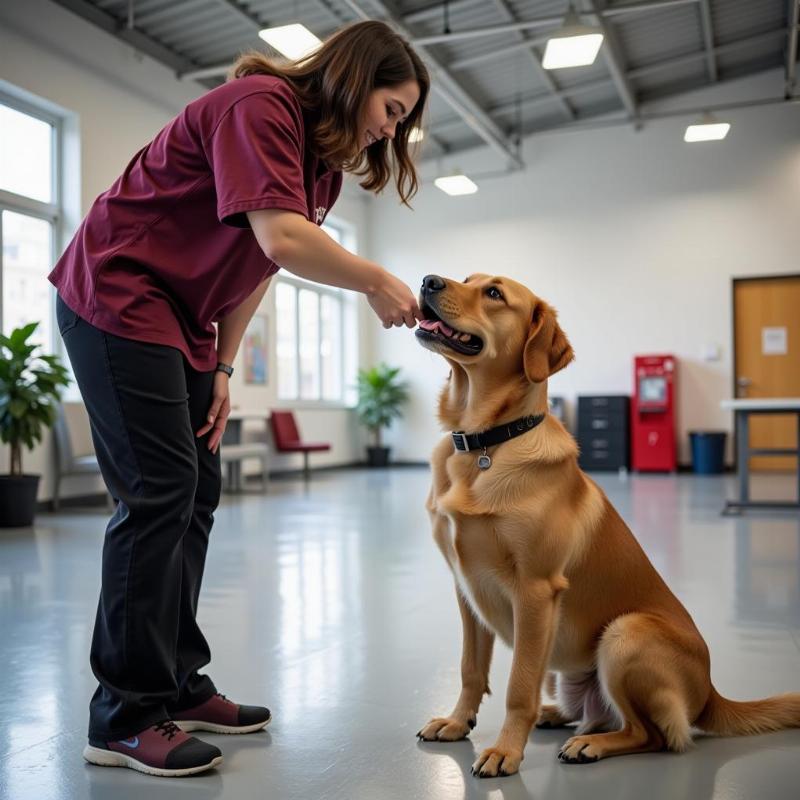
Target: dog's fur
(542, 559)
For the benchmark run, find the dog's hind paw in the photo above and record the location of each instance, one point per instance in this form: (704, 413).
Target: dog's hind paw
(551, 717)
(578, 750)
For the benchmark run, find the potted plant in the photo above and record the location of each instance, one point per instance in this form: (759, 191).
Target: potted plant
(29, 390)
(380, 396)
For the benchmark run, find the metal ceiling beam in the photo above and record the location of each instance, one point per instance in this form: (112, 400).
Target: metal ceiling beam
(434, 12)
(614, 62)
(791, 47)
(483, 31)
(707, 25)
(679, 112)
(140, 41)
(448, 87)
(496, 54)
(594, 85)
(609, 122)
(541, 73)
(158, 14)
(243, 13)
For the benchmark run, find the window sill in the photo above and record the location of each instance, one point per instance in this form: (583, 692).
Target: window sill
(316, 405)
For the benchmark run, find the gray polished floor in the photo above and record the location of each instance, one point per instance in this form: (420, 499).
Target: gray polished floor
(331, 604)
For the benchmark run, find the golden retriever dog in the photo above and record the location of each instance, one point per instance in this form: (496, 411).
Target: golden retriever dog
(541, 558)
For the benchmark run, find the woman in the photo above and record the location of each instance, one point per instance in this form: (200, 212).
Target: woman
(190, 235)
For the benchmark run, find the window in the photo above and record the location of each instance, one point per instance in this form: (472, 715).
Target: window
(29, 214)
(311, 320)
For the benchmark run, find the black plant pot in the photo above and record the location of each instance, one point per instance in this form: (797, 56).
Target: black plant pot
(17, 500)
(377, 456)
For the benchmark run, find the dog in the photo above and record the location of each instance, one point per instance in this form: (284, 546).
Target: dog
(542, 559)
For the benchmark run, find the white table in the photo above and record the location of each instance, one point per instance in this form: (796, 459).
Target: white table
(742, 410)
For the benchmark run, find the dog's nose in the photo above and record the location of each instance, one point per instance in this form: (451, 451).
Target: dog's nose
(432, 283)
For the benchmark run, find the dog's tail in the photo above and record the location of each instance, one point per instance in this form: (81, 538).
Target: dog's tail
(733, 718)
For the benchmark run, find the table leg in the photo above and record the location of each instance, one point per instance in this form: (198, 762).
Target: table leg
(743, 446)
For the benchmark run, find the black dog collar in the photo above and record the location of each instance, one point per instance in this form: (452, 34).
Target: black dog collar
(502, 433)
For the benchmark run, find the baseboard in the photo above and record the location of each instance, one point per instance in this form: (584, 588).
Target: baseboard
(74, 501)
(278, 474)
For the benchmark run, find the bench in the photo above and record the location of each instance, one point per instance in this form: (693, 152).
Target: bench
(232, 455)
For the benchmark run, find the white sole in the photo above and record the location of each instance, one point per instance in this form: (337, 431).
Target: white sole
(111, 758)
(189, 725)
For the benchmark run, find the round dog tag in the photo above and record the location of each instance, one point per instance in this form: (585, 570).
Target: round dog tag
(484, 462)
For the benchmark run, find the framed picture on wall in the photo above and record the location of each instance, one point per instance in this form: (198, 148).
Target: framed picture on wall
(255, 350)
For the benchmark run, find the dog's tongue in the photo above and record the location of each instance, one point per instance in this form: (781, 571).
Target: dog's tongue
(434, 325)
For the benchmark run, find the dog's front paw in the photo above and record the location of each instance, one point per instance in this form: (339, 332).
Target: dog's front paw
(446, 729)
(496, 762)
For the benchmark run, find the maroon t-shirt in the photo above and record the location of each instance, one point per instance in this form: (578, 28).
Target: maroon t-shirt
(168, 250)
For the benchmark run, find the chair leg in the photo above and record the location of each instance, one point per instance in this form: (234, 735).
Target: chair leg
(56, 490)
(306, 471)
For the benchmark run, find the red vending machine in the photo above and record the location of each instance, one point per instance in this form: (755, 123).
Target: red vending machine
(653, 414)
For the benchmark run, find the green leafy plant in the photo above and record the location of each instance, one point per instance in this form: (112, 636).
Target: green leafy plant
(29, 391)
(380, 397)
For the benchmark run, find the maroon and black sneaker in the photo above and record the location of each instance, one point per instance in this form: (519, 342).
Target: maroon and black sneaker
(163, 749)
(220, 715)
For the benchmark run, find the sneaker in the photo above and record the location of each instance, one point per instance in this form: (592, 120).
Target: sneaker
(163, 749)
(220, 715)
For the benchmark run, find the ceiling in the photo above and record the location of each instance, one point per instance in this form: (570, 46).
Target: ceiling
(489, 85)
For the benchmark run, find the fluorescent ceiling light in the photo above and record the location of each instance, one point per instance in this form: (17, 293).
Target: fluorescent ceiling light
(456, 185)
(706, 132)
(293, 41)
(416, 135)
(572, 45)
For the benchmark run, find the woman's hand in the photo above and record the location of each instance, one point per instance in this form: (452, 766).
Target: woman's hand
(394, 303)
(217, 417)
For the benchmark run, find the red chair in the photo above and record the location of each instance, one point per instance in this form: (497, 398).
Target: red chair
(287, 438)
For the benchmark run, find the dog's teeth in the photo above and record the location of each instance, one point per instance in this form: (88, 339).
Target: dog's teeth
(465, 337)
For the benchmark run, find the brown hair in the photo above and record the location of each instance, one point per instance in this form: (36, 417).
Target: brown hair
(335, 82)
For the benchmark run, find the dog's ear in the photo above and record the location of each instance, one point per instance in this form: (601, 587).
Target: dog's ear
(547, 349)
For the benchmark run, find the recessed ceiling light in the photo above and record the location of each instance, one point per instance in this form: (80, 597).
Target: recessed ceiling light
(293, 41)
(706, 132)
(456, 185)
(572, 45)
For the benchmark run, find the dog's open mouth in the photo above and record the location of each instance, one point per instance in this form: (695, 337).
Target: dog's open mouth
(433, 328)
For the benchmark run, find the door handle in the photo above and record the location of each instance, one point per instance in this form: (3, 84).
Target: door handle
(742, 384)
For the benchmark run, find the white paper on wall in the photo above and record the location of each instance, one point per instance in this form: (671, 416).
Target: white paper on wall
(774, 341)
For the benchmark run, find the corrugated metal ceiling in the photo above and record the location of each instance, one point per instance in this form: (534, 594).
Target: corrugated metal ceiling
(655, 48)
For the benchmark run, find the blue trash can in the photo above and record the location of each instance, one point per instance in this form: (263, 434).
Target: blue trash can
(708, 451)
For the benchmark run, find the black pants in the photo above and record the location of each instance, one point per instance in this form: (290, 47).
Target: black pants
(145, 402)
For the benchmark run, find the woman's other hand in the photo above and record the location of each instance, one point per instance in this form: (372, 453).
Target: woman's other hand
(218, 412)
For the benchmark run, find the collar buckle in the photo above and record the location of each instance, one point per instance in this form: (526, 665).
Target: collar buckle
(460, 441)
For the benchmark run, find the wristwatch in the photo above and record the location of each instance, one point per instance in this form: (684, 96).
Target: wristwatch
(226, 368)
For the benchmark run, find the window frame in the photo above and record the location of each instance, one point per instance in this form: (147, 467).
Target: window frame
(347, 234)
(51, 212)
(320, 291)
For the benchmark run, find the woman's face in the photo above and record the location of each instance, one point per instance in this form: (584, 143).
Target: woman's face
(385, 108)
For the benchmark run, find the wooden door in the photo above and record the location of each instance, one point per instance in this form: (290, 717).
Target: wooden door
(766, 319)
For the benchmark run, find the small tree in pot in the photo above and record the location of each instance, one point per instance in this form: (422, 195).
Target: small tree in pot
(380, 397)
(29, 391)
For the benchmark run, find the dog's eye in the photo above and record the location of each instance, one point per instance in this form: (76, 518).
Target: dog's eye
(494, 293)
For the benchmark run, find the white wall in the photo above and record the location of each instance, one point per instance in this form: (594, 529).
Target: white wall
(633, 236)
(116, 100)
